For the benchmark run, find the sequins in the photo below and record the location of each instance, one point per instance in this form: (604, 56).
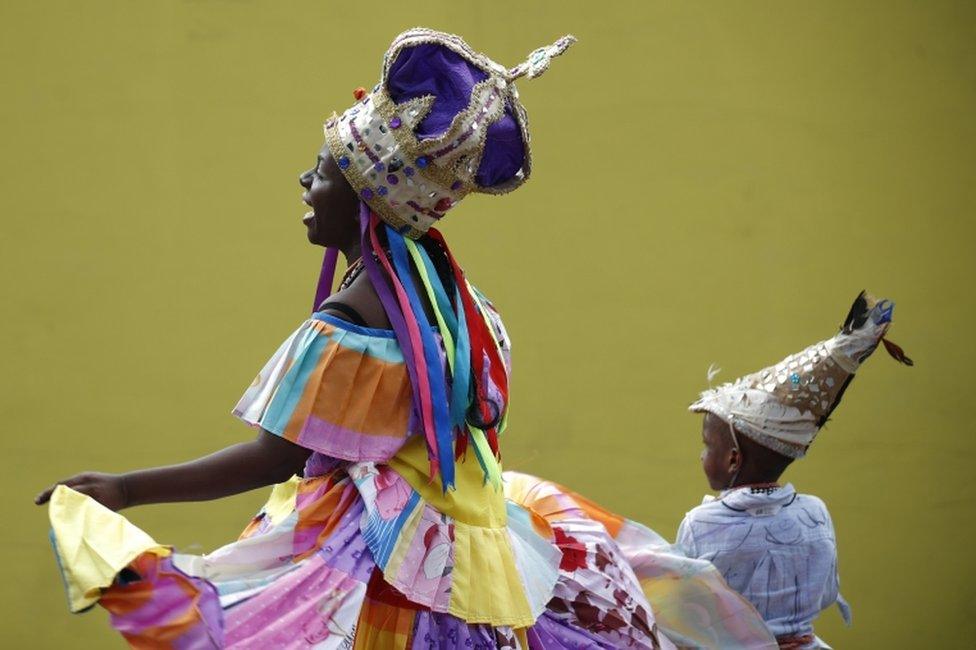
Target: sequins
(379, 166)
(343, 162)
(381, 190)
(421, 162)
(367, 194)
(795, 379)
(408, 171)
(456, 185)
(359, 93)
(396, 123)
(392, 179)
(444, 204)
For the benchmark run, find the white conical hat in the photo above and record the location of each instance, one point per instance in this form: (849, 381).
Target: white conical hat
(782, 407)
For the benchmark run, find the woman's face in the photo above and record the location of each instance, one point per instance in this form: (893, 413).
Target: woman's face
(332, 220)
(720, 460)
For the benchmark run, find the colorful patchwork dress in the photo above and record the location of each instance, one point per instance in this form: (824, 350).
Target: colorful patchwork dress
(366, 551)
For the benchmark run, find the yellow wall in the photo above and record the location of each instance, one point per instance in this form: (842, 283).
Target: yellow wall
(714, 181)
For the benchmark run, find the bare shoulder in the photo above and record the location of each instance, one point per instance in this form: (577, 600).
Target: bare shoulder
(362, 298)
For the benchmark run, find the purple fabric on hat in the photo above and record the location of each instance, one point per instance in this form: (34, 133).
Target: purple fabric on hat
(430, 69)
(504, 151)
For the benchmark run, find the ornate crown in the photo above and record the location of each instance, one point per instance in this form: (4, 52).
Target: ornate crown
(411, 181)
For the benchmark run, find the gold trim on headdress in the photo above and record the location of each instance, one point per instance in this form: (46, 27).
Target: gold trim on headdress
(411, 183)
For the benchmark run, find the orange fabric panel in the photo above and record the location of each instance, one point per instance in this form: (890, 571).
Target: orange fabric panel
(355, 391)
(365, 394)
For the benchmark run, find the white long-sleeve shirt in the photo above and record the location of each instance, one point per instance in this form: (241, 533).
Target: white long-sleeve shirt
(775, 547)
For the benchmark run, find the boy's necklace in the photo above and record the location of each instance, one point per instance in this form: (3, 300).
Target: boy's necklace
(759, 488)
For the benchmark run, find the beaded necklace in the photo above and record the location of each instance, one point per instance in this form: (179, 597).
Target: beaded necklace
(762, 488)
(353, 272)
(356, 269)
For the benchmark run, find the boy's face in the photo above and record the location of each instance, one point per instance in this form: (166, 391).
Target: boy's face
(719, 458)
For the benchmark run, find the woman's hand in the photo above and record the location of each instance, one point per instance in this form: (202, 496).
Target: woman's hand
(107, 489)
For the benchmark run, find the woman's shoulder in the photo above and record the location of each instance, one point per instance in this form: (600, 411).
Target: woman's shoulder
(358, 304)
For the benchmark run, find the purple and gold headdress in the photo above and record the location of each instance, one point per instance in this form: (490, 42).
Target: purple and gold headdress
(443, 121)
(784, 406)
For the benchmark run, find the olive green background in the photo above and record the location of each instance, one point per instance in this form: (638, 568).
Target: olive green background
(714, 182)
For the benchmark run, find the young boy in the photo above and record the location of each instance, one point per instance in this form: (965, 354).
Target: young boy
(774, 546)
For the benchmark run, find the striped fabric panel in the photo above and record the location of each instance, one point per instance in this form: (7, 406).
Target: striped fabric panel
(340, 390)
(382, 535)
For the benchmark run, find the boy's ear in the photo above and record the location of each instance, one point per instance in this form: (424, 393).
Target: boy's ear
(735, 459)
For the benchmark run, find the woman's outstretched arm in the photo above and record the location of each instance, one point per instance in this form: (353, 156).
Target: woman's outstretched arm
(245, 466)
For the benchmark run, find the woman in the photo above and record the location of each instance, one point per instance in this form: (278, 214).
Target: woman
(386, 540)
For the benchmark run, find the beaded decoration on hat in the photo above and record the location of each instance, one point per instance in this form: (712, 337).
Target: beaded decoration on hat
(782, 407)
(410, 181)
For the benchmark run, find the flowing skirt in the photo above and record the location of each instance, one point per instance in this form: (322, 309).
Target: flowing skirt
(318, 567)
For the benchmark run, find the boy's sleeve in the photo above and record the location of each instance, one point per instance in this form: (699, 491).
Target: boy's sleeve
(686, 538)
(833, 594)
